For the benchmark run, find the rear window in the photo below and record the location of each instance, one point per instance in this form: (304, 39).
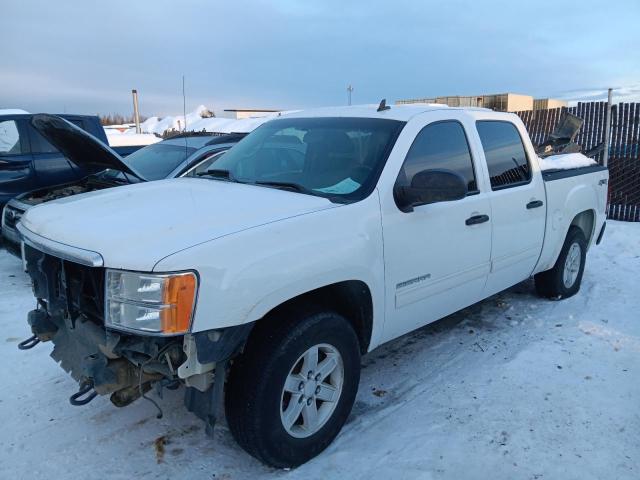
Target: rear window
(10, 143)
(505, 154)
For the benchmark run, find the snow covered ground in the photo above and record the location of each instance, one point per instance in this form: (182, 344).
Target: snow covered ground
(515, 387)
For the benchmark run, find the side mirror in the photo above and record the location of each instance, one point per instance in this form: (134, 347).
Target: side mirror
(430, 186)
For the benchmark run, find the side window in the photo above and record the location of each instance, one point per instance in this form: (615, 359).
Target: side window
(40, 145)
(204, 165)
(10, 138)
(443, 146)
(505, 154)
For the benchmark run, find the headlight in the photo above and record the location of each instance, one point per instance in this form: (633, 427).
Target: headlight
(160, 304)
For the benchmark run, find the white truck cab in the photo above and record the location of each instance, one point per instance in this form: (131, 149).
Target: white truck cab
(320, 236)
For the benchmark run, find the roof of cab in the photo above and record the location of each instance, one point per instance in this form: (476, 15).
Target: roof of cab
(393, 112)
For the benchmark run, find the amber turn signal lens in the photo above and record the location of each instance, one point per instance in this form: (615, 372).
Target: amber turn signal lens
(179, 295)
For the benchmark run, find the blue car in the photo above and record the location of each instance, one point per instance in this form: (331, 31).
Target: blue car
(183, 155)
(28, 161)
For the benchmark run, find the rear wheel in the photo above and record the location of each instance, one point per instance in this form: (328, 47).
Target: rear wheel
(565, 278)
(292, 390)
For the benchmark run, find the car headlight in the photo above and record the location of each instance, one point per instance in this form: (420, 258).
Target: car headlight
(153, 303)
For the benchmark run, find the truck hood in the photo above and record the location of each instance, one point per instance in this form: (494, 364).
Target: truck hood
(135, 226)
(80, 147)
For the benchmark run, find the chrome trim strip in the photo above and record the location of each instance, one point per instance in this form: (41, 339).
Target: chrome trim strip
(60, 250)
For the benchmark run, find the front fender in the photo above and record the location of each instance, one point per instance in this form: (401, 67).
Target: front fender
(245, 275)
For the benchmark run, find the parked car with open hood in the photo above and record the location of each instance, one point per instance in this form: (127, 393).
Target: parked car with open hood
(181, 155)
(28, 161)
(320, 236)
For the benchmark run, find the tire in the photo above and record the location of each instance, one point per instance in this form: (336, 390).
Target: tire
(565, 278)
(256, 403)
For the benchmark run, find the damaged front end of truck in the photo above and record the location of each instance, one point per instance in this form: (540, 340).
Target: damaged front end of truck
(121, 333)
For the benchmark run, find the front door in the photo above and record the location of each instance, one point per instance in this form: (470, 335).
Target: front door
(437, 257)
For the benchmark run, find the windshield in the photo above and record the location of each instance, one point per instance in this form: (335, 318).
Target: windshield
(329, 157)
(156, 161)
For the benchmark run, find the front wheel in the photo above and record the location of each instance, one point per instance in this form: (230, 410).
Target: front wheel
(564, 279)
(290, 393)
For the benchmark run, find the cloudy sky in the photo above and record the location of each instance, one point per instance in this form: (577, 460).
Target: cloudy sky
(85, 57)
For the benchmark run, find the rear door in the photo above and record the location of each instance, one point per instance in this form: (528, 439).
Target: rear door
(16, 167)
(436, 259)
(517, 203)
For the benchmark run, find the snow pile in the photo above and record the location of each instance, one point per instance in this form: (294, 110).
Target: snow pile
(158, 126)
(197, 121)
(128, 138)
(229, 125)
(12, 111)
(566, 161)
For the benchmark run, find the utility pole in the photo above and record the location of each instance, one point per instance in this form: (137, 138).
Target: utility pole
(607, 129)
(349, 90)
(136, 112)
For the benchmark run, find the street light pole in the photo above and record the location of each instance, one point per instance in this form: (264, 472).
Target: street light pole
(349, 90)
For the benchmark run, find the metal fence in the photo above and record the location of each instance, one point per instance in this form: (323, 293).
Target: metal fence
(624, 148)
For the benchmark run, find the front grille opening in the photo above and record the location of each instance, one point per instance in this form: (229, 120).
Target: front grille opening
(11, 217)
(67, 288)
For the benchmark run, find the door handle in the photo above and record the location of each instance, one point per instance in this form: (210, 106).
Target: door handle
(476, 219)
(534, 204)
(14, 165)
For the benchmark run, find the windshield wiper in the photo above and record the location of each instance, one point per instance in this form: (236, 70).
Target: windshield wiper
(286, 186)
(296, 187)
(217, 173)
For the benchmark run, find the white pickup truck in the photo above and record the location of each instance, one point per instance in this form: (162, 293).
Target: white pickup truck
(260, 284)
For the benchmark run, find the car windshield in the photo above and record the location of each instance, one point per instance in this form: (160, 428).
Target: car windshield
(156, 161)
(337, 158)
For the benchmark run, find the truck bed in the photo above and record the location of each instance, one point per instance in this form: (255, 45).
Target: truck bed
(568, 191)
(557, 174)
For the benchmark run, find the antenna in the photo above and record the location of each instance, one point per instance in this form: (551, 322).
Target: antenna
(383, 105)
(184, 105)
(184, 113)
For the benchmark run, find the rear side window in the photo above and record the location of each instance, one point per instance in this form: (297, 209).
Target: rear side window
(505, 154)
(10, 143)
(204, 165)
(442, 146)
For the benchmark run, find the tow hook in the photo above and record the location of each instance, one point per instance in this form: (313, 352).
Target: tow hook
(85, 388)
(30, 342)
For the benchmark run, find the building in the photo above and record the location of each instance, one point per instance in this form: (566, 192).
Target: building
(548, 103)
(502, 102)
(457, 101)
(239, 113)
